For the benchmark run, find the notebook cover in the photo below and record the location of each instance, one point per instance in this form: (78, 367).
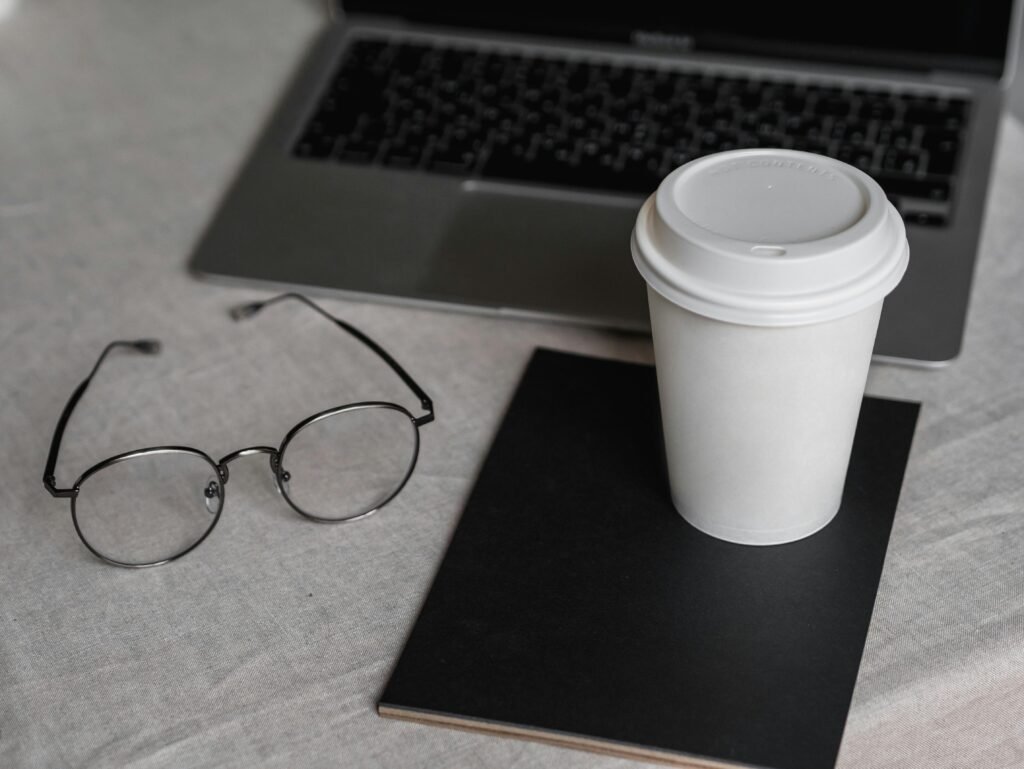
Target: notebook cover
(575, 606)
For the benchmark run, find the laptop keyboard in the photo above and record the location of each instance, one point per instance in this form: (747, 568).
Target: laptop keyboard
(593, 125)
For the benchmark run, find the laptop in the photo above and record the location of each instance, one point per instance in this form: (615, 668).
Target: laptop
(492, 156)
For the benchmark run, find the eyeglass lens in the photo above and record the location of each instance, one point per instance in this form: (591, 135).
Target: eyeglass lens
(148, 508)
(347, 464)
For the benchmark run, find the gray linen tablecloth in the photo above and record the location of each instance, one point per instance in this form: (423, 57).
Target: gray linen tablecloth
(120, 124)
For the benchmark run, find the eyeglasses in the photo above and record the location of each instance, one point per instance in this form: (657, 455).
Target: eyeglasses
(150, 506)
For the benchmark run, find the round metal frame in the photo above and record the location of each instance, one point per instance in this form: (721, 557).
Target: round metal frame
(277, 462)
(214, 466)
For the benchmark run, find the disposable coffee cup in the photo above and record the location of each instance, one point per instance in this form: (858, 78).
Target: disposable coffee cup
(766, 271)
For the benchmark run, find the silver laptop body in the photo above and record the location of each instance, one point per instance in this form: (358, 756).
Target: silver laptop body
(557, 251)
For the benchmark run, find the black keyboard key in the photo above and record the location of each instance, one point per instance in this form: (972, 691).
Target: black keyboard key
(452, 63)
(926, 189)
(900, 162)
(315, 146)
(957, 108)
(457, 167)
(367, 49)
(410, 58)
(678, 138)
(596, 172)
(927, 219)
(336, 116)
(747, 141)
(545, 170)
(372, 130)
(878, 109)
(834, 106)
(926, 113)
(678, 158)
(940, 140)
(556, 150)
(619, 84)
(355, 152)
(942, 163)
(803, 127)
(817, 146)
(453, 154)
(853, 132)
(664, 90)
(577, 78)
(402, 155)
(359, 82)
(746, 99)
(786, 102)
(858, 157)
(895, 138)
(507, 161)
(718, 119)
(702, 92)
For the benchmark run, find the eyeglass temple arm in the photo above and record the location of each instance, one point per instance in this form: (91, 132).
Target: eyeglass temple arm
(145, 346)
(250, 309)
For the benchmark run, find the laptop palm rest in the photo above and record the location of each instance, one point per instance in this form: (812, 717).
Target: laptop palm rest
(543, 256)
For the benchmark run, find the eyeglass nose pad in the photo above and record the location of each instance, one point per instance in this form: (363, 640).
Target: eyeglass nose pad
(280, 480)
(211, 495)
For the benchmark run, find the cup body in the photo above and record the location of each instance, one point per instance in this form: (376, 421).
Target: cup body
(766, 272)
(759, 421)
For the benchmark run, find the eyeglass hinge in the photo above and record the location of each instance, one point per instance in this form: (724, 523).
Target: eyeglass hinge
(51, 486)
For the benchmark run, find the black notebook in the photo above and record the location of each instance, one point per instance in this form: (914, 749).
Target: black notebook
(575, 605)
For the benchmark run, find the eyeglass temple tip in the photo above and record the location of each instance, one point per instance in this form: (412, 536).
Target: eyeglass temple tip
(247, 310)
(148, 346)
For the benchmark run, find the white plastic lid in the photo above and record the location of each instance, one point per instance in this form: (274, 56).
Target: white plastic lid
(770, 237)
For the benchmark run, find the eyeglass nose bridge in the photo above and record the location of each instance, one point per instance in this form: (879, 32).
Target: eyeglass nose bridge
(222, 466)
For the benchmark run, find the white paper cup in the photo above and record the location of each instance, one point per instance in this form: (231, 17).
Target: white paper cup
(766, 272)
